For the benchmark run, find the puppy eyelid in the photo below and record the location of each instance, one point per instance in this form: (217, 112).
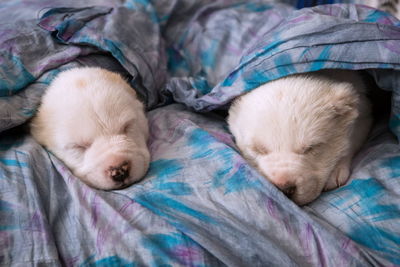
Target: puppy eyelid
(307, 149)
(80, 146)
(260, 149)
(310, 148)
(126, 126)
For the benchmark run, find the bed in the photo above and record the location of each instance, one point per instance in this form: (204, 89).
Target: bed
(201, 203)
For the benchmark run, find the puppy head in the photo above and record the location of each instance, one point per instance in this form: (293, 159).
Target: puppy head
(295, 130)
(91, 119)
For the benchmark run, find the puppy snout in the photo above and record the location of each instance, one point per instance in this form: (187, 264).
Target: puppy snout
(284, 181)
(288, 189)
(119, 173)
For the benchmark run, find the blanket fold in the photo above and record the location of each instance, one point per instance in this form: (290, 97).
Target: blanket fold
(201, 203)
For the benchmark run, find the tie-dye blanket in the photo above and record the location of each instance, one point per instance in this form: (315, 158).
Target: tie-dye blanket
(200, 204)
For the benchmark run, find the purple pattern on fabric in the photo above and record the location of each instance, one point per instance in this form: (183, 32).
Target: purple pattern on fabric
(205, 205)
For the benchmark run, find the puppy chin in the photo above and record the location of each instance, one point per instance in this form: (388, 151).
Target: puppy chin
(307, 187)
(98, 181)
(308, 192)
(299, 181)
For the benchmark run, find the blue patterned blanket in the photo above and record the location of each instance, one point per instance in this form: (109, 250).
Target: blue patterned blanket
(200, 204)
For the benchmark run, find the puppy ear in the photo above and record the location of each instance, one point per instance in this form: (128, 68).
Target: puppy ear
(345, 101)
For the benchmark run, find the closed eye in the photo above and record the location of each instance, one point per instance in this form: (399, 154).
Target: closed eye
(127, 127)
(310, 148)
(307, 149)
(79, 147)
(260, 149)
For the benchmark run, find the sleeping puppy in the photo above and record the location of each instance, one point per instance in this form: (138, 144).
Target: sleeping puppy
(302, 131)
(91, 119)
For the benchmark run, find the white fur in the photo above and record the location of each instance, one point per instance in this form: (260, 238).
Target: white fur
(91, 119)
(302, 131)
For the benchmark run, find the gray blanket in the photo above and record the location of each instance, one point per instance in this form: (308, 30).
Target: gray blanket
(201, 203)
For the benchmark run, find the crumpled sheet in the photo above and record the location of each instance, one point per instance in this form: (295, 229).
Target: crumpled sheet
(200, 204)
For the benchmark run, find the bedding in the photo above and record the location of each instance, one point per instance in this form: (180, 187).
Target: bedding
(200, 204)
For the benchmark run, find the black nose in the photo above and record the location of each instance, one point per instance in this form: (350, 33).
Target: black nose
(288, 189)
(119, 173)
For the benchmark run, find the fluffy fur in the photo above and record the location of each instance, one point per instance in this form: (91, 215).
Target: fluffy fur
(302, 131)
(91, 119)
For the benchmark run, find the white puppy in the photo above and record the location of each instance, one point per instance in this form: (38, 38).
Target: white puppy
(91, 119)
(302, 131)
